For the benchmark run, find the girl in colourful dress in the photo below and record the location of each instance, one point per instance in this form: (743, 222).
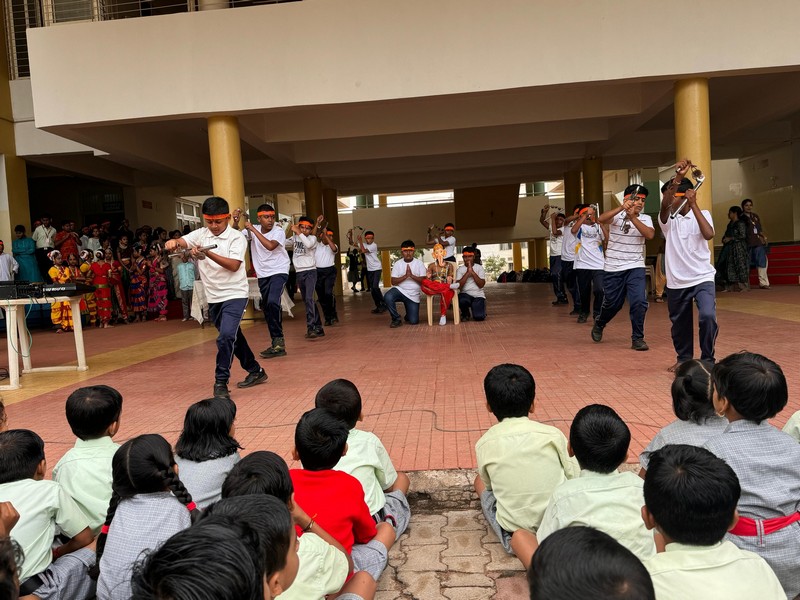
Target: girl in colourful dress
(102, 293)
(88, 278)
(138, 284)
(157, 299)
(119, 303)
(76, 275)
(60, 312)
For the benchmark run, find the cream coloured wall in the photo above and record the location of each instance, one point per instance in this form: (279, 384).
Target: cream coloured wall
(223, 61)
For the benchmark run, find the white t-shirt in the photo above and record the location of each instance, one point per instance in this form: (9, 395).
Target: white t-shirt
(450, 248)
(470, 287)
(221, 284)
(324, 256)
(556, 242)
(409, 288)
(568, 244)
(589, 249)
(625, 250)
(269, 262)
(303, 257)
(687, 257)
(372, 256)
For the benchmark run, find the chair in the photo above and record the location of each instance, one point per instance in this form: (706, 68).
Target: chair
(454, 304)
(650, 273)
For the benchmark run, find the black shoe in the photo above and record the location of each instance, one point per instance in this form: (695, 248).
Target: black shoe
(252, 379)
(597, 333)
(556, 302)
(376, 311)
(272, 353)
(328, 322)
(320, 332)
(221, 390)
(396, 323)
(573, 312)
(582, 318)
(639, 345)
(311, 334)
(334, 320)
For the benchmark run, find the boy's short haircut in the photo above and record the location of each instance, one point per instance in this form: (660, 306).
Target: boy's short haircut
(368, 232)
(216, 206)
(21, 451)
(691, 494)
(91, 410)
(216, 559)
(408, 244)
(510, 390)
(320, 439)
(684, 185)
(636, 188)
(11, 558)
(446, 225)
(753, 384)
(261, 472)
(562, 215)
(599, 438)
(691, 391)
(580, 562)
(265, 208)
(341, 398)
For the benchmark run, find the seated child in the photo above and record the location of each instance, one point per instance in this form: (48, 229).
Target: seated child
(690, 498)
(520, 461)
(206, 450)
(85, 470)
(336, 499)
(691, 403)
(42, 506)
(792, 426)
(149, 504)
(582, 563)
(748, 390)
(366, 459)
(601, 497)
(324, 563)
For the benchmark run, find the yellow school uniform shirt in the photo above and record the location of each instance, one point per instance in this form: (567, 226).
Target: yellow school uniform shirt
(686, 572)
(522, 462)
(792, 426)
(368, 461)
(610, 502)
(322, 570)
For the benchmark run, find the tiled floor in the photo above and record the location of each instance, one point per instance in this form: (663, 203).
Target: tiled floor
(422, 386)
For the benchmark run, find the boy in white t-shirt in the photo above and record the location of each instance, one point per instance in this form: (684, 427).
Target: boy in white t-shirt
(447, 240)
(369, 248)
(271, 264)
(624, 271)
(407, 276)
(589, 262)
(225, 280)
(325, 257)
(690, 274)
(568, 275)
(555, 228)
(471, 278)
(304, 243)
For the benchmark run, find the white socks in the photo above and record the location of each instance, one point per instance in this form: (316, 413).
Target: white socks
(442, 320)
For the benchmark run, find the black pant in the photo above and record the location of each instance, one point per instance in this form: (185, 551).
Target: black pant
(271, 289)
(226, 317)
(558, 282)
(568, 277)
(472, 305)
(326, 279)
(680, 304)
(590, 283)
(374, 279)
(307, 281)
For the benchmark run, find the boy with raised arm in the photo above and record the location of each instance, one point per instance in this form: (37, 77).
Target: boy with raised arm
(369, 248)
(225, 280)
(303, 245)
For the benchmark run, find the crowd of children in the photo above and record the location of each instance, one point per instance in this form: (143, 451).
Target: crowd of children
(712, 514)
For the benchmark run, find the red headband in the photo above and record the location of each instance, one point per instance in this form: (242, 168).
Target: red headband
(225, 216)
(265, 213)
(408, 248)
(467, 253)
(309, 221)
(638, 197)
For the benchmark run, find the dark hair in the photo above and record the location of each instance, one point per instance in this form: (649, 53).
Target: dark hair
(368, 232)
(684, 185)
(599, 438)
(340, 397)
(269, 518)
(20, 228)
(217, 559)
(265, 207)
(11, 558)
(261, 472)
(636, 188)
(215, 206)
(577, 563)
(691, 392)
(305, 218)
(691, 494)
(206, 431)
(91, 410)
(21, 451)
(510, 390)
(753, 384)
(562, 215)
(3, 415)
(745, 201)
(736, 210)
(449, 225)
(142, 465)
(320, 439)
(407, 243)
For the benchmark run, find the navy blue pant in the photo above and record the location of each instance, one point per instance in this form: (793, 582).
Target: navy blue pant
(679, 303)
(374, 285)
(326, 279)
(590, 283)
(558, 282)
(226, 317)
(472, 305)
(412, 308)
(307, 281)
(568, 277)
(618, 285)
(271, 289)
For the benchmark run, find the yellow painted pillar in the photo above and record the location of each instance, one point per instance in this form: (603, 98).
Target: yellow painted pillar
(572, 190)
(517, 255)
(386, 265)
(693, 134)
(532, 254)
(225, 149)
(330, 204)
(542, 261)
(593, 180)
(312, 188)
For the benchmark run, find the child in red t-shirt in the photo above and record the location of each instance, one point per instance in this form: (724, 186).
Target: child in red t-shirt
(333, 498)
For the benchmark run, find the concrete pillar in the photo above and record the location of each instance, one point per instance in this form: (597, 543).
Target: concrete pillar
(593, 181)
(224, 146)
(532, 254)
(14, 205)
(386, 266)
(517, 256)
(572, 190)
(330, 204)
(542, 261)
(312, 189)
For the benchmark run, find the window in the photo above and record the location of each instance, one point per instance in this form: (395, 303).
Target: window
(187, 213)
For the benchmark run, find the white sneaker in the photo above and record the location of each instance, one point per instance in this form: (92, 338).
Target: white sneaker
(184, 319)
(443, 320)
(454, 286)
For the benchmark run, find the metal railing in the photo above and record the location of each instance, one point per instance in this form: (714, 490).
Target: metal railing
(21, 15)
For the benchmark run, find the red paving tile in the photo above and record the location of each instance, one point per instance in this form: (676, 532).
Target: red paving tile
(422, 386)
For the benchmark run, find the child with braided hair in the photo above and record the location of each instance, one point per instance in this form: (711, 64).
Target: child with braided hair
(148, 505)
